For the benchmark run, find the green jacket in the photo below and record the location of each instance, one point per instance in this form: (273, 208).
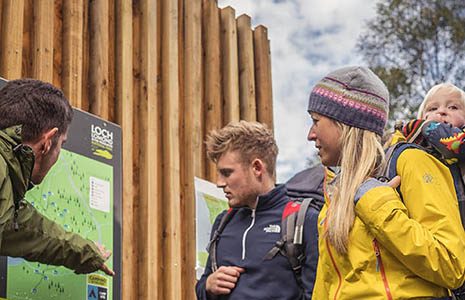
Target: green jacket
(36, 238)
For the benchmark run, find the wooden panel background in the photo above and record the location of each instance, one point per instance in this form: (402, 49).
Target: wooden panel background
(166, 71)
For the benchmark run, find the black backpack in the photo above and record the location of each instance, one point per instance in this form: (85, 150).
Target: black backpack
(305, 189)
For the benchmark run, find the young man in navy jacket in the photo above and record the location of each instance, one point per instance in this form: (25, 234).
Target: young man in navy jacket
(245, 156)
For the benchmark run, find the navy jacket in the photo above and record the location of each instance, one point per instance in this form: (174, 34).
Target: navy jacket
(246, 240)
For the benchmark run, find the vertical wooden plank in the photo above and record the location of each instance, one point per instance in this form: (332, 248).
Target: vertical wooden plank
(57, 43)
(192, 159)
(229, 63)
(246, 69)
(171, 173)
(12, 38)
(1, 16)
(98, 72)
(150, 202)
(85, 57)
(212, 79)
(42, 59)
(28, 32)
(124, 116)
(73, 27)
(263, 83)
(111, 60)
(138, 146)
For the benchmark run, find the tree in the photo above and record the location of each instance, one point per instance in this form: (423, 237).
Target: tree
(412, 45)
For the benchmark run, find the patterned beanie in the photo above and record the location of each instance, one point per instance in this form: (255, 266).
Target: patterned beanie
(354, 96)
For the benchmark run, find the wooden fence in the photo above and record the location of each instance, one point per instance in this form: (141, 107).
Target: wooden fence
(167, 71)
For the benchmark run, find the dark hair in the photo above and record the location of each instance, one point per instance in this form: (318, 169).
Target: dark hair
(36, 105)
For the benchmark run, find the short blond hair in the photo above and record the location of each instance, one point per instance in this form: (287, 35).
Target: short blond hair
(451, 87)
(251, 139)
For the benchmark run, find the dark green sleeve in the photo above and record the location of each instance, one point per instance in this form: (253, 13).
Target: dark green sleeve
(42, 240)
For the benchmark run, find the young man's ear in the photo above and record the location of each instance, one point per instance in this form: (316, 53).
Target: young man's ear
(46, 141)
(258, 167)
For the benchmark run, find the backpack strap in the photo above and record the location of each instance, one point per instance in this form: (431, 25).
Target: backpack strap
(211, 248)
(290, 244)
(392, 155)
(299, 227)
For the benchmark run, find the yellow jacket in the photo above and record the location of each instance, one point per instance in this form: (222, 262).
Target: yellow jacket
(398, 249)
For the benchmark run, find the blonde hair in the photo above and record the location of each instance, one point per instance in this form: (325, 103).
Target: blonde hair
(362, 157)
(251, 139)
(433, 91)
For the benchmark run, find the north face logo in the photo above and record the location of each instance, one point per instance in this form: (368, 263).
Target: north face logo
(272, 229)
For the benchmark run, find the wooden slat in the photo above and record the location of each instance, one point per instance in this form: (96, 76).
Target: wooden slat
(57, 43)
(124, 116)
(28, 33)
(246, 69)
(150, 206)
(171, 175)
(229, 71)
(193, 164)
(86, 57)
(263, 76)
(42, 60)
(1, 16)
(212, 79)
(12, 38)
(73, 13)
(98, 71)
(111, 59)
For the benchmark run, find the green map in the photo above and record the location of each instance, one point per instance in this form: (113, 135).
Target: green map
(210, 202)
(215, 206)
(78, 194)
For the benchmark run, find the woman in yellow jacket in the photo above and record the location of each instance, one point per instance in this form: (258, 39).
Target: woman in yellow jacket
(372, 243)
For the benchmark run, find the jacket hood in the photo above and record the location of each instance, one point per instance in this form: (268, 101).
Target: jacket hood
(19, 158)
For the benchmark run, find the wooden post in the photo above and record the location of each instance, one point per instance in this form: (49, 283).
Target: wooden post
(98, 70)
(230, 72)
(149, 208)
(42, 60)
(57, 42)
(171, 173)
(192, 159)
(28, 34)
(73, 15)
(124, 115)
(12, 38)
(263, 76)
(246, 69)
(212, 84)
(86, 57)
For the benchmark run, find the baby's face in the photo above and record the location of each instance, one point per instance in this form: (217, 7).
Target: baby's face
(445, 106)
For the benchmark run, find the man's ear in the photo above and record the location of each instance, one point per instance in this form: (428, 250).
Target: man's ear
(258, 167)
(47, 140)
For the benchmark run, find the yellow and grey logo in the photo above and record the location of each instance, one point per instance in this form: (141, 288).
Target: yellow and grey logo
(101, 142)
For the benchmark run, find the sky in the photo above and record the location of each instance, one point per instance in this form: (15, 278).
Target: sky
(308, 39)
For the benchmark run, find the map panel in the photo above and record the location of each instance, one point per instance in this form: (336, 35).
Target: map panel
(76, 194)
(210, 202)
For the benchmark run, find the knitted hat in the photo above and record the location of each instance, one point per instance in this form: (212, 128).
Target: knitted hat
(354, 96)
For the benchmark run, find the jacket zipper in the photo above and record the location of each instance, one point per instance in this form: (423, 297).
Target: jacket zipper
(325, 225)
(380, 268)
(244, 237)
(339, 277)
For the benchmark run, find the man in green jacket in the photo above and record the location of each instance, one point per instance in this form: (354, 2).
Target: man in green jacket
(34, 120)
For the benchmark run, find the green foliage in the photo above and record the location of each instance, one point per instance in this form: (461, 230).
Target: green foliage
(413, 45)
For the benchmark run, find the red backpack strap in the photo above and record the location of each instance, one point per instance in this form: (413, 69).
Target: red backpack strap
(290, 243)
(290, 208)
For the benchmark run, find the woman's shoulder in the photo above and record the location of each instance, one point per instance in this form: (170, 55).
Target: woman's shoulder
(417, 160)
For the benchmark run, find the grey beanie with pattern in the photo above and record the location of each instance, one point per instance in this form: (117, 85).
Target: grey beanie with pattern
(354, 96)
